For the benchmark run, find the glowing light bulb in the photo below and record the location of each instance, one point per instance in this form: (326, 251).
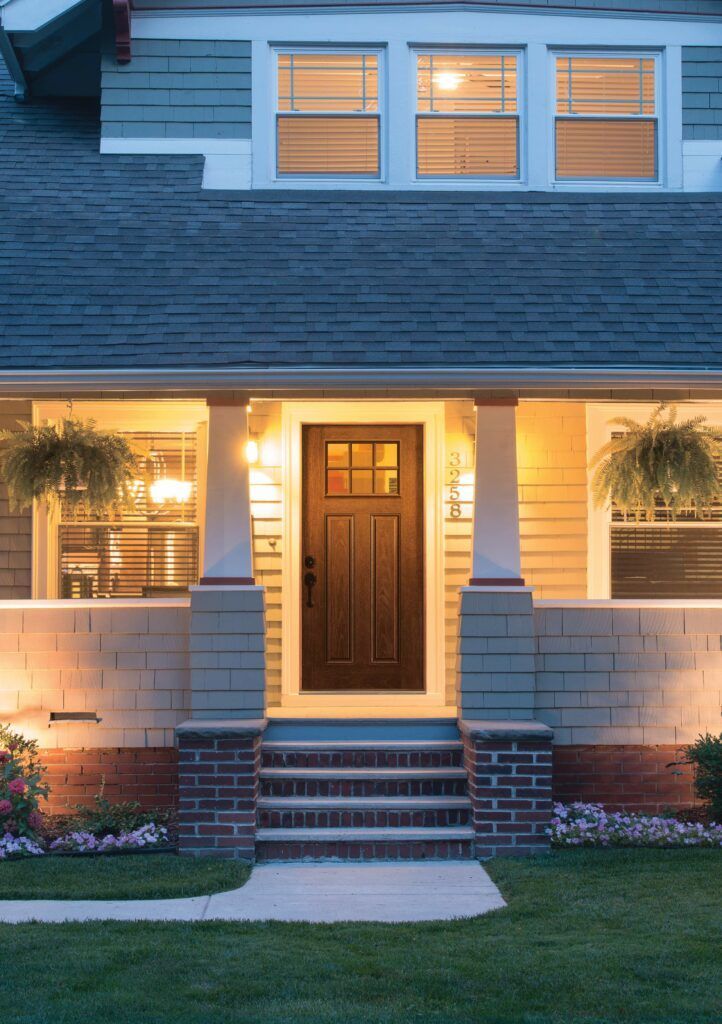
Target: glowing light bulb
(448, 80)
(252, 451)
(170, 490)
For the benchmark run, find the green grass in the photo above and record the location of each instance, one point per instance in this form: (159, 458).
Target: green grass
(118, 876)
(595, 937)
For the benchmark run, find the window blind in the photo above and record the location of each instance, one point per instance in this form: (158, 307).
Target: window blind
(457, 146)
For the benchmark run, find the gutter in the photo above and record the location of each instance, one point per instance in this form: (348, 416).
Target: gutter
(462, 379)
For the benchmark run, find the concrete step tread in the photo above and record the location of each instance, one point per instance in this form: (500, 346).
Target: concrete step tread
(362, 835)
(363, 773)
(366, 803)
(403, 746)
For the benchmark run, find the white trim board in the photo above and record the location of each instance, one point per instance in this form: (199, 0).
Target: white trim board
(431, 416)
(203, 147)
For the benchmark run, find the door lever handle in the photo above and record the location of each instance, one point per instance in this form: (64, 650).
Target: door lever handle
(310, 581)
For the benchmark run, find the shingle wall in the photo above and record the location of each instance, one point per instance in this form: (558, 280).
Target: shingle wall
(127, 662)
(15, 527)
(615, 674)
(177, 88)
(702, 92)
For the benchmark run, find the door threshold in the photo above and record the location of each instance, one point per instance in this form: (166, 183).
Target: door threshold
(361, 711)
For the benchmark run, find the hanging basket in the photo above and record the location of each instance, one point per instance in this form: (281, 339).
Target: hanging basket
(72, 462)
(662, 459)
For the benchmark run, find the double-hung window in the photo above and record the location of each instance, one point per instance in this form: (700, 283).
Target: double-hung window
(606, 121)
(328, 114)
(467, 115)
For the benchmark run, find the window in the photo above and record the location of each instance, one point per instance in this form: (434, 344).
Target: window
(148, 550)
(467, 121)
(362, 467)
(327, 120)
(606, 123)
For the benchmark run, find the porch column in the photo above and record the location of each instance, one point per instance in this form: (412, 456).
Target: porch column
(227, 557)
(496, 559)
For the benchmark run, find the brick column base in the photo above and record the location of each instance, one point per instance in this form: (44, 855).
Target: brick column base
(219, 764)
(509, 765)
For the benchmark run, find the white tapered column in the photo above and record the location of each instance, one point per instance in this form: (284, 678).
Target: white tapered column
(227, 557)
(496, 554)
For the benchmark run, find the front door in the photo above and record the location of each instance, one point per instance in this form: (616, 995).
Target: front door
(363, 558)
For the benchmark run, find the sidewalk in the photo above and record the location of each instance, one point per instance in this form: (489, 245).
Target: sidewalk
(326, 892)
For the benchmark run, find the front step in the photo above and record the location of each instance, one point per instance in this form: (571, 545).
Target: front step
(363, 791)
(363, 812)
(364, 843)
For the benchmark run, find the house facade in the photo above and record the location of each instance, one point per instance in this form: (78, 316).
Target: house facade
(366, 286)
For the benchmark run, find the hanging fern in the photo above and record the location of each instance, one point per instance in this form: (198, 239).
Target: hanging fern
(660, 459)
(73, 462)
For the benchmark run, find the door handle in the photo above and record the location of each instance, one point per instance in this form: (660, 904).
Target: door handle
(310, 581)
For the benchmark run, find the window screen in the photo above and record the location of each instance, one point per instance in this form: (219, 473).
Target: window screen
(606, 118)
(147, 550)
(467, 115)
(327, 120)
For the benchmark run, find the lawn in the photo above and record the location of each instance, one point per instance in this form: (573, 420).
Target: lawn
(118, 876)
(594, 937)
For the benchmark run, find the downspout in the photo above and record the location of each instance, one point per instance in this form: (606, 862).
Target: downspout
(13, 65)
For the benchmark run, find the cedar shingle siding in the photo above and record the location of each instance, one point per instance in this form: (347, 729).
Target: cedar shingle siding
(702, 91)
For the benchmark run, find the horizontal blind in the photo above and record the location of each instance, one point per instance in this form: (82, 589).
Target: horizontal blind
(605, 148)
(328, 145)
(467, 146)
(666, 562)
(605, 85)
(147, 549)
(326, 82)
(466, 83)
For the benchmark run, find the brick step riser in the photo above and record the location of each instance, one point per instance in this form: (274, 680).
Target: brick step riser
(442, 850)
(359, 787)
(307, 818)
(361, 759)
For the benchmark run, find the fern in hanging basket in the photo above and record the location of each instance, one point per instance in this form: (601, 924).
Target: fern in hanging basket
(73, 462)
(661, 459)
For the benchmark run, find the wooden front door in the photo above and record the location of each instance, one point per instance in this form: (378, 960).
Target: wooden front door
(363, 558)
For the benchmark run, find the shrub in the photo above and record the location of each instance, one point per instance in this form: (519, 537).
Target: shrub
(106, 818)
(705, 756)
(590, 825)
(21, 785)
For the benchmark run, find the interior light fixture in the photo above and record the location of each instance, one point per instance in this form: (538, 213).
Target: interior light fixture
(166, 489)
(448, 80)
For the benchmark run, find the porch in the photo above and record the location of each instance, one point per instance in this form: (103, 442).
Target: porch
(523, 630)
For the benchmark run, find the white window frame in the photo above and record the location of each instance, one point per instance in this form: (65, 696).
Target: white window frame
(599, 520)
(660, 115)
(474, 180)
(319, 180)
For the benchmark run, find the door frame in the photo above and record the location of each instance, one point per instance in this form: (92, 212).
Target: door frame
(430, 416)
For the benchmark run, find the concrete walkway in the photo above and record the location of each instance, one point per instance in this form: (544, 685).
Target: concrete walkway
(326, 892)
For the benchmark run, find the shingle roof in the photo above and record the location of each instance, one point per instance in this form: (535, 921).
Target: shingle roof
(123, 261)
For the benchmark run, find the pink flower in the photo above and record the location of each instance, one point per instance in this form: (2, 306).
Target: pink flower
(35, 819)
(5, 807)
(4, 756)
(17, 786)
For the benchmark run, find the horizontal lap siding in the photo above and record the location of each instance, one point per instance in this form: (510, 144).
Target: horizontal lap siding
(15, 527)
(267, 522)
(460, 428)
(628, 675)
(178, 89)
(129, 665)
(552, 461)
(702, 92)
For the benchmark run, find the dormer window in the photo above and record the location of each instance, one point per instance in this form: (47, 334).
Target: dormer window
(467, 115)
(327, 117)
(606, 123)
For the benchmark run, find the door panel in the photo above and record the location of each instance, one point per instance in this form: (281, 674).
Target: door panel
(363, 566)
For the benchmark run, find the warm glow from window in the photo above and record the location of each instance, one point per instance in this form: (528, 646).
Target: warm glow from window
(327, 114)
(252, 452)
(606, 118)
(170, 490)
(467, 115)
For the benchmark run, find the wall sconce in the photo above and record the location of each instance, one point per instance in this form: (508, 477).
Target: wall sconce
(252, 452)
(170, 490)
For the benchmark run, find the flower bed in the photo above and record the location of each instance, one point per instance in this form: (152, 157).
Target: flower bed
(148, 838)
(590, 825)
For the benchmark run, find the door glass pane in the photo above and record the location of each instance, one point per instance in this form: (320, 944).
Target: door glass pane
(362, 454)
(336, 456)
(386, 481)
(337, 481)
(362, 481)
(386, 454)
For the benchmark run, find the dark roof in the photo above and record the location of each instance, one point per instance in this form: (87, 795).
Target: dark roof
(124, 262)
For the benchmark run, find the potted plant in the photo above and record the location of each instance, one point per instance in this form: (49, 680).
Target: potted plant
(72, 461)
(663, 459)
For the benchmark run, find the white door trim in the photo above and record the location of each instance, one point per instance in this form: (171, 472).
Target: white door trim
(430, 415)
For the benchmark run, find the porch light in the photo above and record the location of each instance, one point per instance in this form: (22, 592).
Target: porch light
(252, 452)
(448, 80)
(166, 489)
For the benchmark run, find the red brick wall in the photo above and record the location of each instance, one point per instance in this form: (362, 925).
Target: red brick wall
(146, 774)
(622, 777)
